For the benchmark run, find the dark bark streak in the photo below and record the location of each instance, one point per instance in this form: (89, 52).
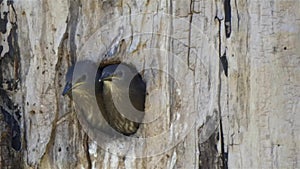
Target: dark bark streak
(3, 22)
(190, 33)
(72, 25)
(171, 69)
(224, 154)
(238, 15)
(208, 151)
(224, 63)
(13, 39)
(86, 146)
(8, 118)
(227, 9)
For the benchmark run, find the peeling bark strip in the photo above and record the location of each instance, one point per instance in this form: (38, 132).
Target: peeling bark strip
(227, 9)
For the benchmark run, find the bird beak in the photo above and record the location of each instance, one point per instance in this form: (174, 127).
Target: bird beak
(67, 88)
(108, 78)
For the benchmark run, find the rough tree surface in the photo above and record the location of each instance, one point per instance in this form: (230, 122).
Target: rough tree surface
(232, 99)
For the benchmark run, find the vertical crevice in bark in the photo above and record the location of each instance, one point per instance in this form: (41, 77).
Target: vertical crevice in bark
(223, 153)
(190, 33)
(171, 60)
(238, 15)
(86, 146)
(72, 24)
(227, 23)
(208, 151)
(224, 63)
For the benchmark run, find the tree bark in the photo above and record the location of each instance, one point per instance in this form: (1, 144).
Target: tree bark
(222, 81)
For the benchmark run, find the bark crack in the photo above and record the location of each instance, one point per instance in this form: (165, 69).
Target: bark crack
(190, 34)
(171, 61)
(224, 155)
(238, 15)
(227, 23)
(86, 146)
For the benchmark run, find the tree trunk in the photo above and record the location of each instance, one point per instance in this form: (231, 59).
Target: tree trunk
(222, 82)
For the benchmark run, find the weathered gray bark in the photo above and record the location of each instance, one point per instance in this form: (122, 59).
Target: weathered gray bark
(246, 120)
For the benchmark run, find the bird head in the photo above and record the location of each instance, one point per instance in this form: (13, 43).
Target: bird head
(80, 77)
(115, 73)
